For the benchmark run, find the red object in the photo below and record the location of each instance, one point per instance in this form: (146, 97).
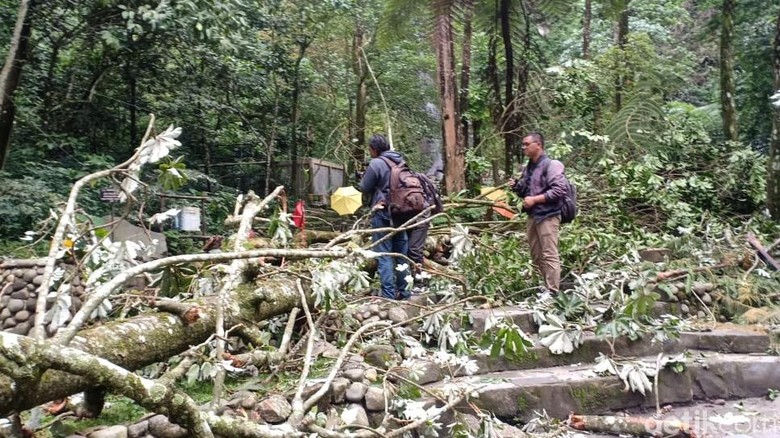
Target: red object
(506, 211)
(299, 215)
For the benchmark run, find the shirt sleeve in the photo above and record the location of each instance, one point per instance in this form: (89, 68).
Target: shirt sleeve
(372, 177)
(556, 184)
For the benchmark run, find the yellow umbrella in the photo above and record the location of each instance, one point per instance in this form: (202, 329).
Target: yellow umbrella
(346, 200)
(493, 193)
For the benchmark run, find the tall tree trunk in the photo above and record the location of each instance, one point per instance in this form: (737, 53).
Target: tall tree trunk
(454, 156)
(295, 185)
(361, 96)
(727, 87)
(586, 16)
(465, 72)
(132, 91)
(10, 76)
(622, 39)
(773, 166)
(523, 73)
(507, 122)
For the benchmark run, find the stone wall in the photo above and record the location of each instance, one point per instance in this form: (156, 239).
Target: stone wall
(19, 281)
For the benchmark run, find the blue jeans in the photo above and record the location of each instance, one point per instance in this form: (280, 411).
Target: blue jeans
(393, 282)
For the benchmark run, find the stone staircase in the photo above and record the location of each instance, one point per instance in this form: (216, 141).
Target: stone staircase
(728, 362)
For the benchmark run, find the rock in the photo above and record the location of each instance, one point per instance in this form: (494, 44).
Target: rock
(19, 284)
(374, 309)
(354, 414)
(356, 391)
(354, 374)
(397, 315)
(31, 303)
(38, 280)
(28, 275)
(375, 399)
(700, 288)
(684, 309)
(383, 314)
(274, 409)
(325, 349)
(21, 328)
(15, 304)
(424, 372)
(701, 314)
(22, 315)
(339, 388)
(159, 426)
(719, 402)
(706, 298)
(381, 356)
(654, 255)
(110, 432)
(374, 318)
(138, 430)
(243, 399)
(20, 294)
(371, 375)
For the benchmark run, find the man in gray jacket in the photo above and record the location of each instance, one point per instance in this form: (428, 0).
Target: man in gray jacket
(376, 182)
(543, 188)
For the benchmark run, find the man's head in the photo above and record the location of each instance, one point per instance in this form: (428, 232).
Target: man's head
(533, 145)
(377, 144)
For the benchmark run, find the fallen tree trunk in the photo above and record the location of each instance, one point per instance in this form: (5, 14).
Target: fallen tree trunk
(637, 426)
(149, 338)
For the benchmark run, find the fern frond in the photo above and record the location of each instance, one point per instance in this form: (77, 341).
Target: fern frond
(636, 123)
(398, 18)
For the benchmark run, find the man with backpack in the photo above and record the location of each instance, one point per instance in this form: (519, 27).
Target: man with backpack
(544, 190)
(376, 183)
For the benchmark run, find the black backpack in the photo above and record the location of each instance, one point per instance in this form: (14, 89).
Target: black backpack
(569, 208)
(407, 196)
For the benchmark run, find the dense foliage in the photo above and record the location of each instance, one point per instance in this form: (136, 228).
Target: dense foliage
(636, 120)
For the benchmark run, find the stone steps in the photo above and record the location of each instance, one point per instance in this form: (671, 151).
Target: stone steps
(724, 340)
(562, 390)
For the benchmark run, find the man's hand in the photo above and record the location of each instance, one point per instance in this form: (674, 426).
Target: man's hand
(530, 201)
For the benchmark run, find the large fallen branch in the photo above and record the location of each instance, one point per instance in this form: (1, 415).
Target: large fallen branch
(149, 338)
(637, 426)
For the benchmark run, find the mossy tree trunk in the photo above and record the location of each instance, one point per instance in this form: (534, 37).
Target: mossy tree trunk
(149, 338)
(773, 171)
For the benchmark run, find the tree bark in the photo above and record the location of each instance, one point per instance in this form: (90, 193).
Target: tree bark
(11, 75)
(622, 39)
(146, 339)
(361, 97)
(727, 87)
(637, 426)
(507, 121)
(295, 184)
(773, 165)
(465, 73)
(454, 156)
